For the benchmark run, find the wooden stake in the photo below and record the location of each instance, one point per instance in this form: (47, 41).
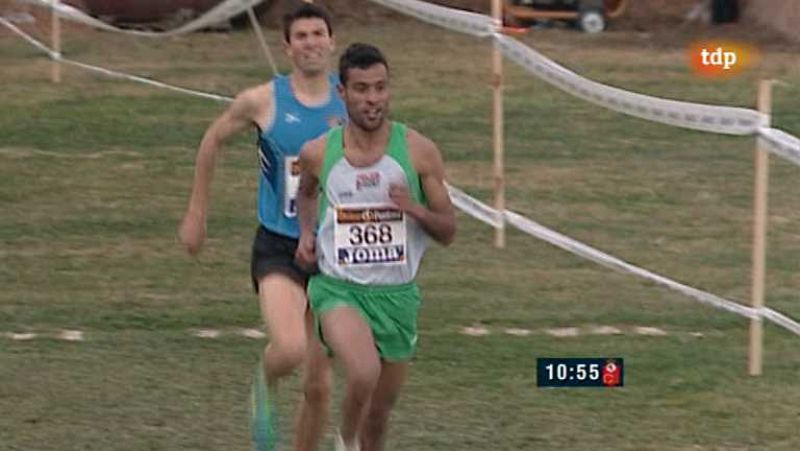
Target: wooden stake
(497, 121)
(754, 354)
(55, 24)
(260, 36)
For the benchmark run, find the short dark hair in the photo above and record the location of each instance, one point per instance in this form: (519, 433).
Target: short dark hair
(305, 11)
(361, 56)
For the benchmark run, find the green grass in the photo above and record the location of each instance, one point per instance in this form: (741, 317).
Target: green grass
(95, 174)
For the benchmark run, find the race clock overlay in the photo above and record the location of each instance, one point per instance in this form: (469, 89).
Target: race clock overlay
(580, 372)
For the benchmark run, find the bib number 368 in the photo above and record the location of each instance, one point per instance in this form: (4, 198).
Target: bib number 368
(370, 234)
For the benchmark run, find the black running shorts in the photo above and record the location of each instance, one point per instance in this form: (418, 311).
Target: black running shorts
(273, 252)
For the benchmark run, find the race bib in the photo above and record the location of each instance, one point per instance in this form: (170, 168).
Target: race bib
(291, 184)
(370, 236)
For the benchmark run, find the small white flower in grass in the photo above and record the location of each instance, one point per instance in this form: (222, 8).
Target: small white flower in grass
(605, 330)
(650, 331)
(207, 333)
(518, 332)
(475, 331)
(252, 333)
(71, 335)
(563, 332)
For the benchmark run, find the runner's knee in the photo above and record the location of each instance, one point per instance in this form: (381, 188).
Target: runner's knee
(317, 391)
(364, 377)
(381, 407)
(290, 351)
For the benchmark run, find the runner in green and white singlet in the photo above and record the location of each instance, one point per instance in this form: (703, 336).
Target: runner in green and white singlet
(363, 237)
(371, 197)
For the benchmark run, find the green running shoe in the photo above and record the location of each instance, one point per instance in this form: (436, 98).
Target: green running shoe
(263, 415)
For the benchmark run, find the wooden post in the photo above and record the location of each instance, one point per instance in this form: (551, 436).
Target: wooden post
(55, 25)
(497, 121)
(264, 47)
(754, 354)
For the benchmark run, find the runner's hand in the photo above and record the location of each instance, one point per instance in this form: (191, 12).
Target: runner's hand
(305, 255)
(192, 232)
(401, 196)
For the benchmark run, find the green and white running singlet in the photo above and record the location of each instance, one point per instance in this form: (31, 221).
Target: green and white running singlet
(363, 237)
(369, 250)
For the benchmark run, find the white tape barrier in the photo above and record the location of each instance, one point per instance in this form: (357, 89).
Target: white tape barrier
(780, 319)
(148, 81)
(474, 207)
(29, 38)
(727, 120)
(457, 20)
(107, 72)
(20, 17)
(781, 143)
(709, 118)
(220, 13)
(576, 247)
(487, 214)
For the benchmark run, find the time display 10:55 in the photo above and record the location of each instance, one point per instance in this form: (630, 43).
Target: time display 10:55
(579, 372)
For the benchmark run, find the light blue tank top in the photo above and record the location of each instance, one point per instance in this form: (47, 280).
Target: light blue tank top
(278, 149)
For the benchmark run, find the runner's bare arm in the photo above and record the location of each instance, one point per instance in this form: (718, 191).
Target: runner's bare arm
(241, 114)
(311, 158)
(438, 219)
(244, 112)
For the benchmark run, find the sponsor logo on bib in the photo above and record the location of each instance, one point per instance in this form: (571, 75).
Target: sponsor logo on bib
(370, 236)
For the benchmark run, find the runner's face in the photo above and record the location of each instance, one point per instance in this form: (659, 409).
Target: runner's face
(309, 45)
(367, 96)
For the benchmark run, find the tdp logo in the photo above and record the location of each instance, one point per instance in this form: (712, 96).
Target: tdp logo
(721, 59)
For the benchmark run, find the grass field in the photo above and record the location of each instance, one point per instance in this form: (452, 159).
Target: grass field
(95, 174)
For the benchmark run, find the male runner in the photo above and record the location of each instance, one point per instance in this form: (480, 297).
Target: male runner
(286, 112)
(371, 194)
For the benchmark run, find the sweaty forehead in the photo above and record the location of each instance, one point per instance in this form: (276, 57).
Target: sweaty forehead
(307, 25)
(370, 75)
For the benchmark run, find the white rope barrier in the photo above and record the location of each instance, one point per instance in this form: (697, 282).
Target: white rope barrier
(457, 20)
(108, 72)
(474, 207)
(220, 13)
(29, 38)
(780, 319)
(787, 145)
(708, 118)
(148, 81)
(781, 143)
(486, 214)
(582, 250)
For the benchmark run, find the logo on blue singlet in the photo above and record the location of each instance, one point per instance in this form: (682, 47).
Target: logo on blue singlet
(335, 121)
